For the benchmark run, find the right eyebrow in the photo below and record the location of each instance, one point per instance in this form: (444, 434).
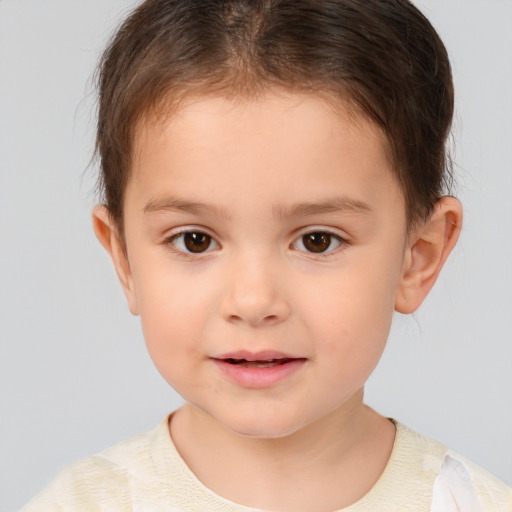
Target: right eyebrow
(172, 204)
(331, 205)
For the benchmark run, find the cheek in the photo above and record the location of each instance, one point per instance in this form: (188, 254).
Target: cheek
(351, 310)
(174, 309)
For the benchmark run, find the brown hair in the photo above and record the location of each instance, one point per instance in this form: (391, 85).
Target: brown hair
(382, 56)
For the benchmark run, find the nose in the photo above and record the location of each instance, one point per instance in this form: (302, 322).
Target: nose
(254, 293)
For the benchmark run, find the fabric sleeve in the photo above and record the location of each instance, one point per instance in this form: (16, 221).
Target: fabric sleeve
(94, 484)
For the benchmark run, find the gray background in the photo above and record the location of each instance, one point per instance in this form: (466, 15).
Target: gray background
(74, 373)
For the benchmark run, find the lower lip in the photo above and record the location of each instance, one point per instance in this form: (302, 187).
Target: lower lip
(266, 377)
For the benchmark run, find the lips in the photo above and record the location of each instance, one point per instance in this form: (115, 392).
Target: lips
(264, 363)
(258, 370)
(262, 355)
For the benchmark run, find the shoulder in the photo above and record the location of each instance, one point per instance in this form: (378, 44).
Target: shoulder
(99, 481)
(493, 494)
(460, 478)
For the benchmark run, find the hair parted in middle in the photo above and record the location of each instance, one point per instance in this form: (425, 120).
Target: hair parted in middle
(381, 58)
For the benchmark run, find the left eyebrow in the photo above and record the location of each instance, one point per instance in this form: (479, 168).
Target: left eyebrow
(333, 205)
(180, 205)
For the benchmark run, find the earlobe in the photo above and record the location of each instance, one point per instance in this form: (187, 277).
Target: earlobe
(107, 233)
(426, 254)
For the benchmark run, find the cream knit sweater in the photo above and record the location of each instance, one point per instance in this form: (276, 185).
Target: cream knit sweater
(146, 474)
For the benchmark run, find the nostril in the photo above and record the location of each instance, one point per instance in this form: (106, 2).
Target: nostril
(268, 319)
(253, 309)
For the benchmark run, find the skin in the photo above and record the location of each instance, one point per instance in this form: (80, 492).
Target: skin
(261, 174)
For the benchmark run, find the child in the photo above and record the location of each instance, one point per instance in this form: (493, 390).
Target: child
(273, 178)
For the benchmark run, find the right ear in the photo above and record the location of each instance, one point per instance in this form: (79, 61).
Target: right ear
(108, 235)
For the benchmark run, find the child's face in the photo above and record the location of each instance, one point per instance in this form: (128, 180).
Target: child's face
(295, 248)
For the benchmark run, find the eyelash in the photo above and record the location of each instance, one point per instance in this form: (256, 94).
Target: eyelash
(340, 241)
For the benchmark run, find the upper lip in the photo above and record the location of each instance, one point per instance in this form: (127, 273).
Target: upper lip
(263, 355)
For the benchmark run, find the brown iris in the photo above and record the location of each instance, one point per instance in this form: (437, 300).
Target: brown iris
(197, 242)
(317, 242)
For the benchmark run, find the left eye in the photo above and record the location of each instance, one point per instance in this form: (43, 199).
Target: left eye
(318, 242)
(193, 242)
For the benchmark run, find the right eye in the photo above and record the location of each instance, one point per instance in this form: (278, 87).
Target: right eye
(319, 243)
(193, 242)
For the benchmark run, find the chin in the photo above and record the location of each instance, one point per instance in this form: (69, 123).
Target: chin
(262, 426)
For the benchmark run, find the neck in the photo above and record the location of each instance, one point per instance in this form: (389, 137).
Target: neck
(327, 465)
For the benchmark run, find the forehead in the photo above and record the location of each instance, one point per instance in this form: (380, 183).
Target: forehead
(196, 115)
(282, 141)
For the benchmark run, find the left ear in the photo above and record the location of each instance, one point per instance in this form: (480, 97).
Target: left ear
(428, 248)
(107, 233)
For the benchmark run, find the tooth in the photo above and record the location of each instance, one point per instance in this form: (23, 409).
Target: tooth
(261, 363)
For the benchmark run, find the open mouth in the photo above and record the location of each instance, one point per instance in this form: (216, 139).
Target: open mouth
(258, 370)
(264, 363)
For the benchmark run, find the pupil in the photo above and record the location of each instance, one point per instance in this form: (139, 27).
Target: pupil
(317, 242)
(197, 242)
